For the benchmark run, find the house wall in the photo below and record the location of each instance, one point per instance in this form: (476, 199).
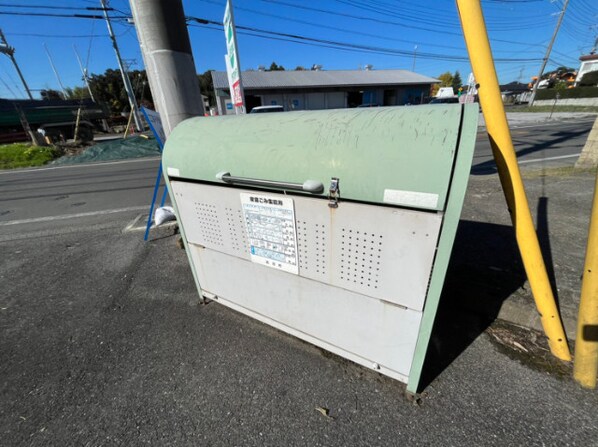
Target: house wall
(569, 102)
(333, 98)
(306, 101)
(586, 67)
(336, 100)
(224, 105)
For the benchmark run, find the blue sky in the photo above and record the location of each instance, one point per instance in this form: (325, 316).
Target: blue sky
(518, 29)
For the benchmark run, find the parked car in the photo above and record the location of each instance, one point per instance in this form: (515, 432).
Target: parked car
(267, 109)
(453, 100)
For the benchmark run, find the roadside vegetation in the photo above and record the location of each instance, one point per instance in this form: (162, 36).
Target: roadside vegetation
(586, 109)
(22, 155)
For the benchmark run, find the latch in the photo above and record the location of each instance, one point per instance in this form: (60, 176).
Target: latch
(334, 193)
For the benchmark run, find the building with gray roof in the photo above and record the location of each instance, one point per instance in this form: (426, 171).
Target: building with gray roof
(324, 89)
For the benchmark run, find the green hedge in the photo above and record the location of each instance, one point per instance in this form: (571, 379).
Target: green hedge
(577, 92)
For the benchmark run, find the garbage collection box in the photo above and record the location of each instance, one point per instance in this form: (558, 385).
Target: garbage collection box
(334, 226)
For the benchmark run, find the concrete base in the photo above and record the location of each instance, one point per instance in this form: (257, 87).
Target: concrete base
(589, 154)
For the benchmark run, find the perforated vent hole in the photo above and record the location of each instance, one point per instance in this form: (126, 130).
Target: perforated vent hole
(301, 244)
(236, 229)
(209, 225)
(361, 253)
(312, 245)
(320, 244)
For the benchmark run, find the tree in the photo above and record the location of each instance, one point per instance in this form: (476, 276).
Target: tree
(109, 88)
(299, 68)
(275, 67)
(76, 93)
(558, 71)
(207, 87)
(50, 94)
(457, 82)
(590, 79)
(446, 79)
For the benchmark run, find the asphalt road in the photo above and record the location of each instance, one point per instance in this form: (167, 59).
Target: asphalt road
(538, 146)
(56, 198)
(99, 345)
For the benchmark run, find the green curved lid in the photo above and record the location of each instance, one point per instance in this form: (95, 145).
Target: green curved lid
(394, 155)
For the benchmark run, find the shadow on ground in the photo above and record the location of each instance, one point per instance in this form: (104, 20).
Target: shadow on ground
(484, 270)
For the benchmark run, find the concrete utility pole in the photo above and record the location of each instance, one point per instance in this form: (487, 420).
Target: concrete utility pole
(162, 32)
(10, 52)
(123, 72)
(547, 55)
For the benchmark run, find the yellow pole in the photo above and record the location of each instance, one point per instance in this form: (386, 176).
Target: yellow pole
(585, 368)
(480, 55)
(128, 124)
(77, 124)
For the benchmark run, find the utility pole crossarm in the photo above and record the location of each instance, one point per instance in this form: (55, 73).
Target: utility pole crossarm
(10, 52)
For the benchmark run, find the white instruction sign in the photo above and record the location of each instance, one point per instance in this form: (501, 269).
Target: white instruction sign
(270, 224)
(155, 124)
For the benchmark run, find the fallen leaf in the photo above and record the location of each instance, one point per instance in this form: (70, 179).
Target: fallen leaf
(518, 345)
(325, 412)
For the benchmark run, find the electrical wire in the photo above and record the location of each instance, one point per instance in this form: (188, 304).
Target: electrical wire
(347, 45)
(70, 8)
(69, 16)
(58, 36)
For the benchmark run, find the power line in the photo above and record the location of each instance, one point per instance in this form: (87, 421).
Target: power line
(69, 16)
(8, 88)
(352, 16)
(71, 8)
(58, 36)
(296, 37)
(334, 28)
(381, 21)
(414, 16)
(339, 44)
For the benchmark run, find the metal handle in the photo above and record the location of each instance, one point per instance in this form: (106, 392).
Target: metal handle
(311, 186)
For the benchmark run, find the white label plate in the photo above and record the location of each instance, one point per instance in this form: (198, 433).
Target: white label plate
(271, 233)
(411, 198)
(173, 172)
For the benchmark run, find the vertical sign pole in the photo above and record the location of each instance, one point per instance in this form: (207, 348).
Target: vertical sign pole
(233, 63)
(155, 124)
(480, 55)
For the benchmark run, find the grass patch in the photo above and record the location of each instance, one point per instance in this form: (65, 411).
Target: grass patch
(566, 171)
(22, 155)
(586, 109)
